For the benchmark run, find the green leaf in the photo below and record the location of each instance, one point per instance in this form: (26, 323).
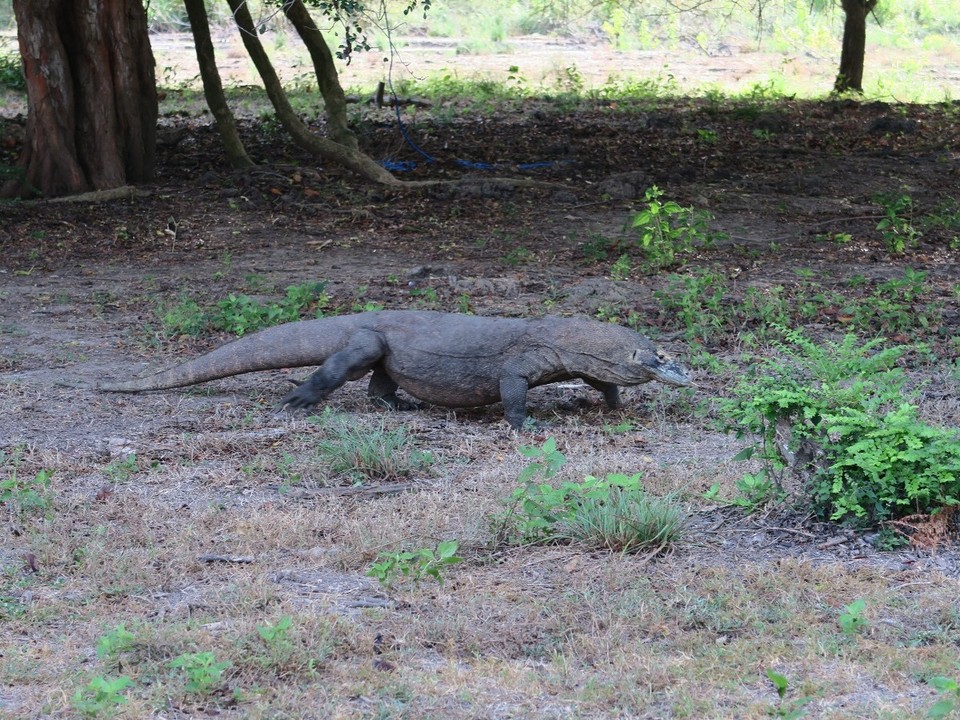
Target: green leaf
(779, 682)
(745, 454)
(944, 684)
(941, 708)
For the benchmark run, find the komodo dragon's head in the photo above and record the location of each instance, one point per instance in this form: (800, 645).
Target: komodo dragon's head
(624, 357)
(660, 365)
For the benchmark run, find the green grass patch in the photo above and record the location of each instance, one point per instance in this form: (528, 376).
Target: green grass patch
(613, 513)
(364, 453)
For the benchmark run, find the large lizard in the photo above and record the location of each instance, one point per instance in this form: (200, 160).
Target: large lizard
(441, 358)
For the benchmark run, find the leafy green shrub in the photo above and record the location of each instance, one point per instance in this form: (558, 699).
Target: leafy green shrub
(840, 414)
(242, 314)
(890, 465)
(11, 72)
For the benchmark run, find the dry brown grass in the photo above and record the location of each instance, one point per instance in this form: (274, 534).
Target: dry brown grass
(545, 632)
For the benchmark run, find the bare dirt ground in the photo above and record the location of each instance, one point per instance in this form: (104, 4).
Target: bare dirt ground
(147, 485)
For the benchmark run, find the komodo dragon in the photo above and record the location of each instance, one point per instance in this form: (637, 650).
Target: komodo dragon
(441, 358)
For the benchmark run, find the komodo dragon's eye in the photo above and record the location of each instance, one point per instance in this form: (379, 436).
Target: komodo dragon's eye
(664, 356)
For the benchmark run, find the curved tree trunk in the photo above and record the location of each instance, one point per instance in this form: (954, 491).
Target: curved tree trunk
(850, 75)
(327, 79)
(91, 96)
(213, 88)
(299, 133)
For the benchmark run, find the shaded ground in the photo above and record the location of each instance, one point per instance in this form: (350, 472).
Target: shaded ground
(81, 285)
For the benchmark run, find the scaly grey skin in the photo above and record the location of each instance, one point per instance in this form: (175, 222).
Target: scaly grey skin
(441, 358)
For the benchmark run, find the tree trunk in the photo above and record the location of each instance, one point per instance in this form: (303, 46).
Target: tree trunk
(91, 96)
(352, 159)
(850, 75)
(213, 88)
(327, 79)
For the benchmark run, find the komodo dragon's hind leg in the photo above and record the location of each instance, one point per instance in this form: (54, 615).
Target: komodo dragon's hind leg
(383, 390)
(363, 354)
(611, 392)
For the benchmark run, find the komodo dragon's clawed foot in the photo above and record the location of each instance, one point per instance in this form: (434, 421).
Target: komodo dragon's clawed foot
(302, 398)
(395, 403)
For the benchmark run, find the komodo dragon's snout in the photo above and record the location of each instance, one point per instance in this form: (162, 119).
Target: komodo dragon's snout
(666, 369)
(441, 358)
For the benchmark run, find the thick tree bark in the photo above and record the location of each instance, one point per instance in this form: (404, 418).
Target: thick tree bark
(213, 88)
(91, 96)
(850, 75)
(326, 72)
(300, 133)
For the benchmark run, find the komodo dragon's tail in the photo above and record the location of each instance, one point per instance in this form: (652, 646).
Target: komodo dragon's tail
(296, 344)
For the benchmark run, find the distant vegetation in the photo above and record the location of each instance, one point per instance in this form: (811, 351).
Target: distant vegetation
(791, 27)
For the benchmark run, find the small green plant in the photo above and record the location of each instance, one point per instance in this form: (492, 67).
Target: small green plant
(668, 232)
(706, 137)
(415, 565)
(114, 643)
(791, 710)
(896, 227)
(120, 470)
(517, 256)
(101, 697)
(545, 461)
(754, 490)
(276, 634)
(597, 247)
(851, 619)
(185, 318)
(895, 306)
(425, 296)
(204, 673)
(620, 270)
(276, 637)
(695, 304)
(23, 495)
(369, 453)
(765, 309)
(945, 706)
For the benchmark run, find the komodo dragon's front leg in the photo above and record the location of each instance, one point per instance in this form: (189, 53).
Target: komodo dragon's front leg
(517, 376)
(363, 354)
